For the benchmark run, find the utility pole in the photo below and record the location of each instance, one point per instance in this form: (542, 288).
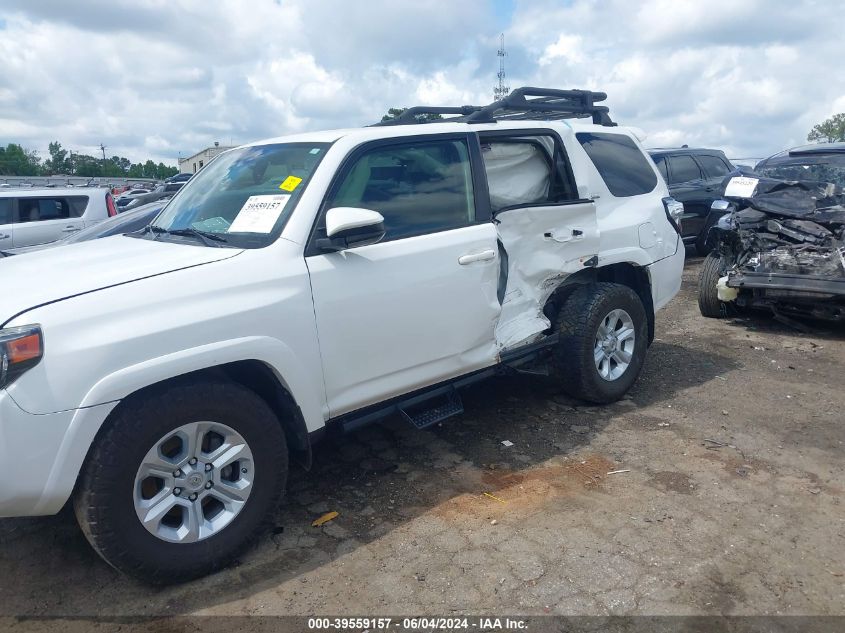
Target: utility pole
(103, 149)
(501, 91)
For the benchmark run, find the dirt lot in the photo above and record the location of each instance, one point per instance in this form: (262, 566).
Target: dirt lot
(731, 501)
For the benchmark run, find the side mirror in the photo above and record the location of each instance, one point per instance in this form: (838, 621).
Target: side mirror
(347, 227)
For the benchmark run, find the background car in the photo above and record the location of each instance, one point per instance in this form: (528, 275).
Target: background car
(184, 177)
(127, 222)
(694, 176)
(823, 162)
(38, 216)
(164, 191)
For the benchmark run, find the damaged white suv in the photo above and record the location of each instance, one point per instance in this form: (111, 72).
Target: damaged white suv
(161, 380)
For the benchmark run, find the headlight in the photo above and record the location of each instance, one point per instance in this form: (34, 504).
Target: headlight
(21, 348)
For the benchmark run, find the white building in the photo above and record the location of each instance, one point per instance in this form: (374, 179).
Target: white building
(192, 164)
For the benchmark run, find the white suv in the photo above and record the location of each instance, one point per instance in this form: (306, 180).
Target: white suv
(38, 216)
(162, 379)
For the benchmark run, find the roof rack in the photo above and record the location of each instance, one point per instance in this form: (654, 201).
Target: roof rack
(522, 104)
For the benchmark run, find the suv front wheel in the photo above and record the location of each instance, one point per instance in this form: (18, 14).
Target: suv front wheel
(181, 479)
(603, 333)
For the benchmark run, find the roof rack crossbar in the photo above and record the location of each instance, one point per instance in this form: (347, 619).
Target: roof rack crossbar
(526, 103)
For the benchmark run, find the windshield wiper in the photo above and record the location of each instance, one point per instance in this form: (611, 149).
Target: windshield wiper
(207, 238)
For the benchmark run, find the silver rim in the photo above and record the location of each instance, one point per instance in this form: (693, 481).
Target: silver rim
(193, 482)
(615, 340)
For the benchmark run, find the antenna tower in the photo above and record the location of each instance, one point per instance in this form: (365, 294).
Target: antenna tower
(502, 90)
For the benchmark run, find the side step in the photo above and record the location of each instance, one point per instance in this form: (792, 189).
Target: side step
(426, 410)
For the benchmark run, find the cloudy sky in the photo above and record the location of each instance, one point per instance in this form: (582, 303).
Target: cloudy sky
(160, 78)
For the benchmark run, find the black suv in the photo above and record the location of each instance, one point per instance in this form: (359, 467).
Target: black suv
(694, 177)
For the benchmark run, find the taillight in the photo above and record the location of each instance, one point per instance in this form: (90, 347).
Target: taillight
(112, 210)
(674, 210)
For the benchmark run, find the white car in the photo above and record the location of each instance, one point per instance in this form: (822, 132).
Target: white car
(162, 379)
(39, 216)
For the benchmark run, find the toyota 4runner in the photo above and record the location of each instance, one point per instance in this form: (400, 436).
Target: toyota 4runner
(161, 380)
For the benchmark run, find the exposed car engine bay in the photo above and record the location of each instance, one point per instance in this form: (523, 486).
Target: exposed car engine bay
(782, 245)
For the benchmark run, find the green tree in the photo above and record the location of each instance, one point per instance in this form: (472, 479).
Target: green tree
(17, 161)
(395, 113)
(830, 130)
(58, 162)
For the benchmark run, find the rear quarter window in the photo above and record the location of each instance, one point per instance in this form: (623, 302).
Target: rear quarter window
(620, 163)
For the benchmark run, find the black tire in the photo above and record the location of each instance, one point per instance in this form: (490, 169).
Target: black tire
(103, 502)
(577, 323)
(708, 296)
(701, 247)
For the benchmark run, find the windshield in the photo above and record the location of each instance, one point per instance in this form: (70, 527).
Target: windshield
(820, 168)
(244, 196)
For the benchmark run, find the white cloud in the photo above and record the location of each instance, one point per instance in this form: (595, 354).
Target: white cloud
(155, 78)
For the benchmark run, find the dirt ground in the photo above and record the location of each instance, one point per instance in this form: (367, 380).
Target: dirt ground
(728, 500)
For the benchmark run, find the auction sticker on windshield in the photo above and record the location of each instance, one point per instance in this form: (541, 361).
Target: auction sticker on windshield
(741, 187)
(259, 214)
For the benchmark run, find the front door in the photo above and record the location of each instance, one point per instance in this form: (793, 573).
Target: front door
(420, 306)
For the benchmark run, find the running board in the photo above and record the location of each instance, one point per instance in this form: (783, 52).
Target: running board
(426, 410)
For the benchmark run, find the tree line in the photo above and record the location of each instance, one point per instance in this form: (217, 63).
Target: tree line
(17, 161)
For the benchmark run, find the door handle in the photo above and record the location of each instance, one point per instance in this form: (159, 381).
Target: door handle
(483, 256)
(566, 235)
(70, 229)
(3, 236)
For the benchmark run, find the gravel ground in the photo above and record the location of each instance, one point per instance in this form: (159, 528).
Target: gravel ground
(729, 501)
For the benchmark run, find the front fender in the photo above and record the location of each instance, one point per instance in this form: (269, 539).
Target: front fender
(272, 352)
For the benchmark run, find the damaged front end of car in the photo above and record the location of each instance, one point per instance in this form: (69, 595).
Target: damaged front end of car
(781, 246)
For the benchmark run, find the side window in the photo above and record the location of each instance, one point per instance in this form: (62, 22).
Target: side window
(684, 169)
(420, 187)
(78, 204)
(661, 167)
(5, 210)
(526, 171)
(40, 209)
(713, 166)
(621, 164)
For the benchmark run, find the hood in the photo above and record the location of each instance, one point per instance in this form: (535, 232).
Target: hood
(821, 202)
(55, 274)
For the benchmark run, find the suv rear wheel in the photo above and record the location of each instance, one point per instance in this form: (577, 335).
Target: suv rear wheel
(181, 480)
(603, 333)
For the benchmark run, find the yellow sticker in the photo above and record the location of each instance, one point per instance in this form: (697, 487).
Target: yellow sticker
(290, 183)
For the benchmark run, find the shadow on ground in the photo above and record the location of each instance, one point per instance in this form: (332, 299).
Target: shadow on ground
(378, 479)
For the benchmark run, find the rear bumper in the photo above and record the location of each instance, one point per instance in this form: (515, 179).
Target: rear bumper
(42, 455)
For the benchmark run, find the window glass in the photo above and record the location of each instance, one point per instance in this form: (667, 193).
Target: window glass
(419, 188)
(78, 204)
(41, 209)
(621, 164)
(5, 210)
(245, 194)
(713, 166)
(684, 169)
(661, 167)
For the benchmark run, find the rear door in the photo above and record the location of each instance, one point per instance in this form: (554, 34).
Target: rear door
(545, 230)
(46, 219)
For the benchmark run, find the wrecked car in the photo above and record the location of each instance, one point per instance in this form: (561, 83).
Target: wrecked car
(311, 284)
(781, 246)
